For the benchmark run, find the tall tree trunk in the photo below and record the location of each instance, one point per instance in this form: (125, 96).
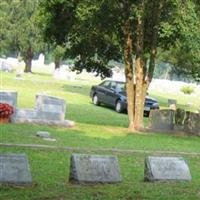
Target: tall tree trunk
(57, 63)
(129, 74)
(142, 82)
(28, 60)
(140, 94)
(28, 65)
(139, 72)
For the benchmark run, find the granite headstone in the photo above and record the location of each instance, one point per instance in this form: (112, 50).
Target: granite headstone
(14, 169)
(166, 169)
(192, 123)
(9, 97)
(94, 169)
(50, 108)
(179, 119)
(161, 120)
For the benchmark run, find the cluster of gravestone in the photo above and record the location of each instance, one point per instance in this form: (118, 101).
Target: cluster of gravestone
(84, 168)
(6, 67)
(48, 110)
(175, 120)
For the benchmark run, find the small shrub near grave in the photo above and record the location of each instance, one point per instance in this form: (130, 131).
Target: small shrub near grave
(6, 110)
(187, 89)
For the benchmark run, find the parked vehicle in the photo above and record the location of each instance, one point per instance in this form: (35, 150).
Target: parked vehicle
(113, 93)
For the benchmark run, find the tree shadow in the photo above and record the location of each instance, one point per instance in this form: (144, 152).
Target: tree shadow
(42, 74)
(78, 89)
(97, 115)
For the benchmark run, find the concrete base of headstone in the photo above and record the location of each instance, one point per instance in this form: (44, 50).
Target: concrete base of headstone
(166, 169)
(25, 114)
(65, 123)
(14, 169)
(94, 169)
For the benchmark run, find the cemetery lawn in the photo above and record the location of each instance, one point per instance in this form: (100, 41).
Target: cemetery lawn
(96, 127)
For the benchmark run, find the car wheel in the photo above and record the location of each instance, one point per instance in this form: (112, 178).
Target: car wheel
(146, 113)
(118, 106)
(96, 100)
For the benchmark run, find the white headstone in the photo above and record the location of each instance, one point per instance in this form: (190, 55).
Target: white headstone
(50, 108)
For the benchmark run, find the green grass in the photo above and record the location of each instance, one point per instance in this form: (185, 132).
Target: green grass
(95, 136)
(50, 172)
(96, 127)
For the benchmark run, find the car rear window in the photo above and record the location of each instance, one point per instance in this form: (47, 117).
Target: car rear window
(105, 84)
(120, 87)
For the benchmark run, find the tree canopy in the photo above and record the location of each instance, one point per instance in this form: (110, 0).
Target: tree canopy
(97, 32)
(185, 54)
(19, 29)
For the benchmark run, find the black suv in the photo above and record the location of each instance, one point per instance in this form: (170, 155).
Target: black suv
(113, 93)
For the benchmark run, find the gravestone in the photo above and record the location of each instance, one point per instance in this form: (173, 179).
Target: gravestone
(50, 108)
(172, 104)
(192, 123)
(166, 169)
(179, 119)
(6, 67)
(94, 169)
(19, 74)
(22, 114)
(9, 97)
(14, 169)
(161, 120)
(180, 116)
(43, 134)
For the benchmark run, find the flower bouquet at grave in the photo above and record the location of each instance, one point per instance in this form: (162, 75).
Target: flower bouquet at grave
(6, 111)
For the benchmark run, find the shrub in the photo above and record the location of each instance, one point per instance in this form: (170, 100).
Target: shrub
(6, 110)
(187, 89)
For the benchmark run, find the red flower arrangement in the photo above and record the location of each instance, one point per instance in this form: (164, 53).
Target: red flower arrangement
(6, 110)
